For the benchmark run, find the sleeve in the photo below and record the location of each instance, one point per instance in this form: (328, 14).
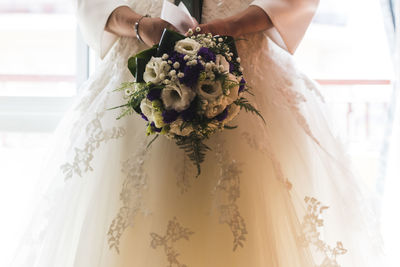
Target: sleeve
(92, 18)
(291, 19)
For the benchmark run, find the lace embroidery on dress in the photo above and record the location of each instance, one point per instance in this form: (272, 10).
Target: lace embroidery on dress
(311, 235)
(265, 148)
(227, 192)
(96, 135)
(175, 232)
(184, 174)
(130, 196)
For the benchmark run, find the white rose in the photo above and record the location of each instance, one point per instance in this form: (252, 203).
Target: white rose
(175, 128)
(147, 109)
(209, 90)
(233, 111)
(177, 96)
(233, 91)
(221, 61)
(154, 68)
(187, 46)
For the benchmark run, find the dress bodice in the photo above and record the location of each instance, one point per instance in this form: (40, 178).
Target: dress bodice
(211, 8)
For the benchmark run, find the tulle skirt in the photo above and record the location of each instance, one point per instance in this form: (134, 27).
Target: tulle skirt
(277, 194)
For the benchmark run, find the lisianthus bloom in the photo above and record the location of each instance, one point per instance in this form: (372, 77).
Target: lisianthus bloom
(209, 90)
(177, 96)
(187, 46)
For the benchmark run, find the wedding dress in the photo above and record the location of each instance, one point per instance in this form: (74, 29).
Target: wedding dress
(262, 198)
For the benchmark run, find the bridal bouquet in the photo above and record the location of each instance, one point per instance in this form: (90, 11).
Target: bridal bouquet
(186, 89)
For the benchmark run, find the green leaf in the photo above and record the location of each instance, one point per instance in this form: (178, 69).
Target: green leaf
(167, 42)
(152, 140)
(230, 127)
(194, 147)
(136, 67)
(243, 103)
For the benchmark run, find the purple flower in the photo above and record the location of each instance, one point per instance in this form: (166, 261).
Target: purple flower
(189, 113)
(178, 57)
(170, 115)
(242, 84)
(206, 54)
(222, 116)
(154, 94)
(153, 126)
(144, 117)
(231, 67)
(192, 74)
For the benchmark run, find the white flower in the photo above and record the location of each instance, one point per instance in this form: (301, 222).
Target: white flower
(187, 46)
(154, 69)
(147, 109)
(221, 61)
(165, 56)
(175, 127)
(181, 75)
(176, 65)
(177, 96)
(209, 90)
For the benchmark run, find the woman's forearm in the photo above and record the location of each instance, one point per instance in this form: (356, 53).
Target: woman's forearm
(253, 19)
(121, 21)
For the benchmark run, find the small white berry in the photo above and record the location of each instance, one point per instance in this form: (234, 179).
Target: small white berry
(198, 29)
(190, 32)
(186, 57)
(166, 81)
(181, 75)
(241, 69)
(238, 60)
(172, 73)
(169, 62)
(176, 65)
(220, 40)
(165, 56)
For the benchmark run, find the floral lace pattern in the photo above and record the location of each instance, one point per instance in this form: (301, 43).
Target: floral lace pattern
(184, 174)
(311, 235)
(175, 232)
(130, 196)
(265, 148)
(96, 135)
(227, 192)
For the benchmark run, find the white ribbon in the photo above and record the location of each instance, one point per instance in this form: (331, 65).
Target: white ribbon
(178, 16)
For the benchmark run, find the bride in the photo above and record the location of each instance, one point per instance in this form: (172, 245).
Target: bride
(274, 195)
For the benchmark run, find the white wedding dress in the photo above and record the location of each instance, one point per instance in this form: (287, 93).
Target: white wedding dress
(261, 200)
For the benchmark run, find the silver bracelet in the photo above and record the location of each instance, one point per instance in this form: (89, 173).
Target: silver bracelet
(137, 27)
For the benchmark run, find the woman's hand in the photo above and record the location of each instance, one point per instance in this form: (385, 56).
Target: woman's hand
(216, 27)
(151, 29)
